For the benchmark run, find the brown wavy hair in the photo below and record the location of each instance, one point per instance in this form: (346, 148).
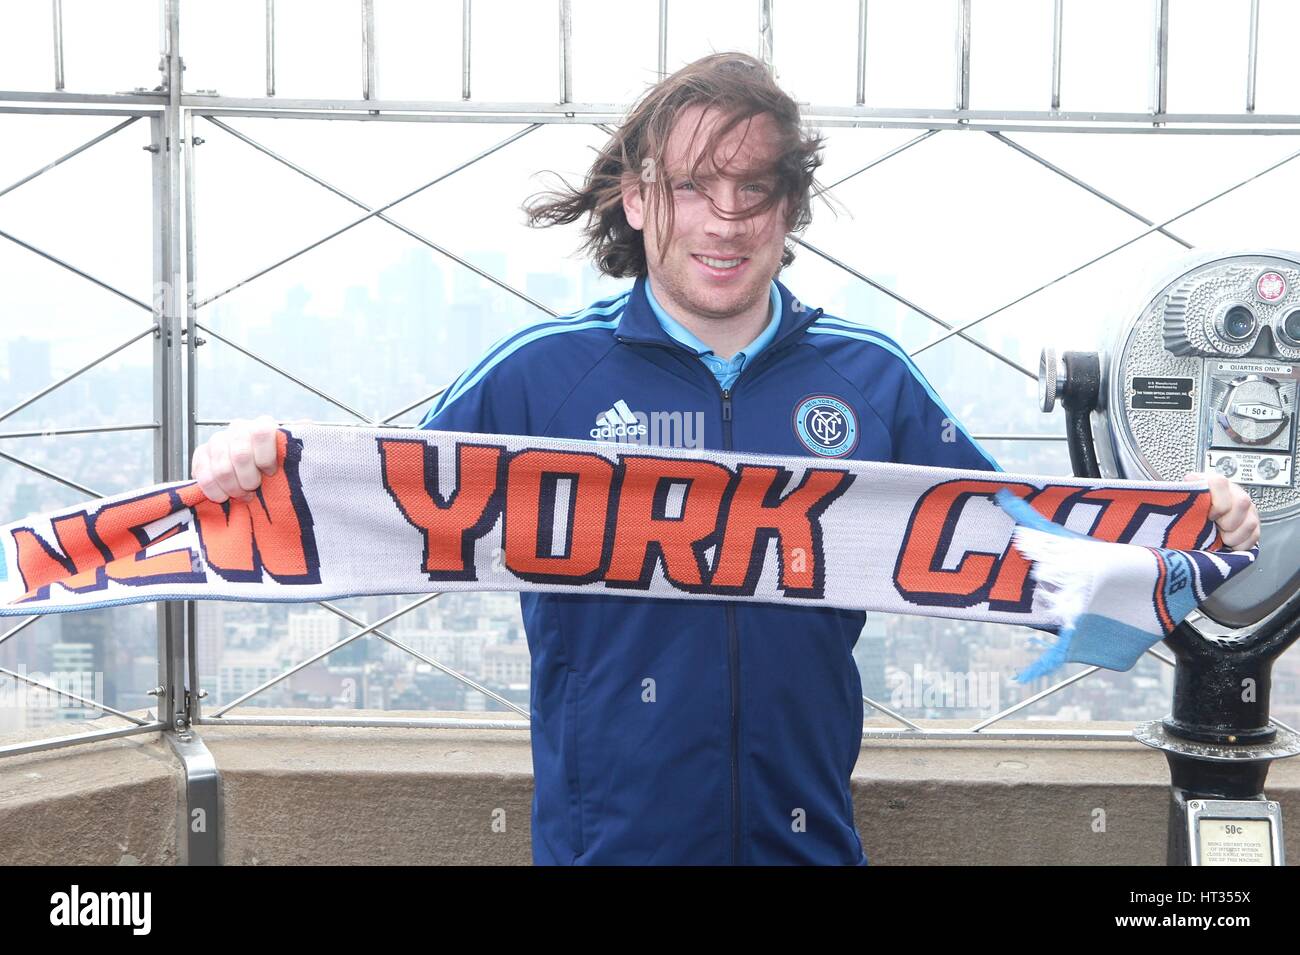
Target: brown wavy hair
(740, 87)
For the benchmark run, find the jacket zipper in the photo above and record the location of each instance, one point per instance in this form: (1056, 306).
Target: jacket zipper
(733, 634)
(733, 665)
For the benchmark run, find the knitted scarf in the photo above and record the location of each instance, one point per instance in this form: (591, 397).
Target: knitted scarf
(1109, 566)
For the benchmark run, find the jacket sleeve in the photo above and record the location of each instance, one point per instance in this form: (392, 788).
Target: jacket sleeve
(926, 432)
(488, 398)
(471, 411)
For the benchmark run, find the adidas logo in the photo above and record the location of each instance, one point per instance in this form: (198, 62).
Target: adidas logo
(618, 422)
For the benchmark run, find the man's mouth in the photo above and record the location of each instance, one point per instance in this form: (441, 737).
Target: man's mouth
(720, 266)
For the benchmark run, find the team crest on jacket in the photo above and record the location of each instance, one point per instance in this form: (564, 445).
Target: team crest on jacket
(826, 426)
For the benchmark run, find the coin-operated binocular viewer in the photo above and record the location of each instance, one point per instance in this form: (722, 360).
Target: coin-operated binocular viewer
(1203, 377)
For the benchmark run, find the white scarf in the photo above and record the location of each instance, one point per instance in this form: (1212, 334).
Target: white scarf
(358, 511)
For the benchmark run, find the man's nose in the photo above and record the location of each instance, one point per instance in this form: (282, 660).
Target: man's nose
(726, 200)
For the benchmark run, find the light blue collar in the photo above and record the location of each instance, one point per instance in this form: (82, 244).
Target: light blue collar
(725, 370)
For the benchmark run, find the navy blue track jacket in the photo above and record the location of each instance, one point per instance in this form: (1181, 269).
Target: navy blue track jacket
(699, 732)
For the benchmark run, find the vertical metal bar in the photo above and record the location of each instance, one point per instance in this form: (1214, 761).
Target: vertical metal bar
(1057, 30)
(368, 90)
(58, 44)
(191, 395)
(1160, 58)
(566, 46)
(663, 38)
(169, 444)
(963, 54)
(270, 47)
(765, 33)
(464, 49)
(1253, 56)
(862, 52)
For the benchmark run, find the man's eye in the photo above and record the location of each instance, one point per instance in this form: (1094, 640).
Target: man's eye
(757, 185)
(685, 185)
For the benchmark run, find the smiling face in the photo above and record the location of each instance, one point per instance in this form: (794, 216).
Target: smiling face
(714, 271)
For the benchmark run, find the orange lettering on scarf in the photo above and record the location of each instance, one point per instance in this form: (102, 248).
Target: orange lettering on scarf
(449, 525)
(590, 477)
(919, 573)
(641, 537)
(793, 521)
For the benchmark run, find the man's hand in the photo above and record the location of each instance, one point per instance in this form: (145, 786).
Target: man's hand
(230, 465)
(1231, 509)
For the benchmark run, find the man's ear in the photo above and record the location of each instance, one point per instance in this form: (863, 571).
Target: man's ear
(633, 202)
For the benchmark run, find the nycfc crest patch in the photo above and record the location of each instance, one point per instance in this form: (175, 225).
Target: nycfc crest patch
(826, 426)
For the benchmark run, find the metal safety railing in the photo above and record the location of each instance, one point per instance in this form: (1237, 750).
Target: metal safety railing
(177, 328)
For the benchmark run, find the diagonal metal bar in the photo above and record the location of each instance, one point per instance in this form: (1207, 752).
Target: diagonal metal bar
(916, 308)
(1083, 185)
(151, 330)
(393, 222)
(879, 159)
(959, 329)
(50, 474)
(327, 651)
(1166, 660)
(76, 271)
(27, 622)
(1086, 671)
(68, 155)
(101, 707)
(454, 674)
(50, 432)
(413, 405)
(375, 212)
(892, 714)
(292, 377)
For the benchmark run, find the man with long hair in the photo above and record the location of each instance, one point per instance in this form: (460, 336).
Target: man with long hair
(675, 732)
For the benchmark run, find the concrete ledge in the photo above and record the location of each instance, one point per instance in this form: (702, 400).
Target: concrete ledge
(345, 796)
(110, 802)
(363, 795)
(1027, 803)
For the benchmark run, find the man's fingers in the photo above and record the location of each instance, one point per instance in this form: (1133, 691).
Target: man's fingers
(1243, 523)
(1245, 536)
(227, 454)
(1231, 509)
(240, 443)
(263, 438)
(1220, 491)
(201, 471)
